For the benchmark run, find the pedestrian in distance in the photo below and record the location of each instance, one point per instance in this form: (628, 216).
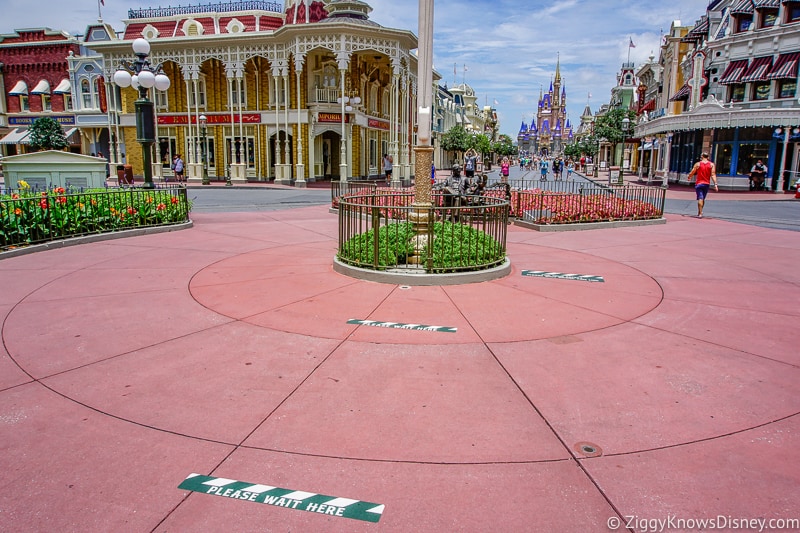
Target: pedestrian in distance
(570, 169)
(470, 162)
(504, 168)
(758, 175)
(543, 169)
(177, 166)
(704, 173)
(388, 163)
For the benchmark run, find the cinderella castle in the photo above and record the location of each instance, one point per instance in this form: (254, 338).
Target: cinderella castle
(551, 129)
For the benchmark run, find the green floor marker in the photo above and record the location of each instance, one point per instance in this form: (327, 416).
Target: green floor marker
(397, 325)
(560, 275)
(278, 497)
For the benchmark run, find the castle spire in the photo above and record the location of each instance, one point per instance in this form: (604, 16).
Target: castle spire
(558, 68)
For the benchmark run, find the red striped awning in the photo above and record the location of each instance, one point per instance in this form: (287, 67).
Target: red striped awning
(758, 70)
(682, 94)
(648, 106)
(785, 67)
(764, 4)
(734, 72)
(743, 7)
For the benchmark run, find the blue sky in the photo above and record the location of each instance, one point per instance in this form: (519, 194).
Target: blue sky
(509, 47)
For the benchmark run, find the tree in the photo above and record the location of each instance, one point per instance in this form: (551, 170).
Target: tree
(481, 144)
(456, 139)
(609, 125)
(47, 134)
(504, 146)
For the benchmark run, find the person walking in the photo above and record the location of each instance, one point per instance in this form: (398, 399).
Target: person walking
(543, 169)
(504, 168)
(177, 166)
(387, 168)
(704, 173)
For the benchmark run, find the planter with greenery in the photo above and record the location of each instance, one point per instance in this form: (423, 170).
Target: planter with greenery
(29, 217)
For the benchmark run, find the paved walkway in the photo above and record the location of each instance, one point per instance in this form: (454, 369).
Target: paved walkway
(670, 390)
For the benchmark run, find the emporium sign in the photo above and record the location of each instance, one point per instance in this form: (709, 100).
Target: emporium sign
(64, 120)
(332, 117)
(182, 120)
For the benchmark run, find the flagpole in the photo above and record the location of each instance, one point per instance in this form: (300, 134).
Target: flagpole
(99, 13)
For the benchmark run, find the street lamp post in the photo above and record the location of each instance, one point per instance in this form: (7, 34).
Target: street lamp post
(142, 76)
(203, 120)
(626, 124)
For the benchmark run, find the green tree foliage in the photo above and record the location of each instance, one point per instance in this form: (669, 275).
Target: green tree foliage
(504, 146)
(481, 144)
(456, 139)
(609, 125)
(47, 134)
(584, 146)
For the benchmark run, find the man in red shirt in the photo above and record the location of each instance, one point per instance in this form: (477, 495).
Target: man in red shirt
(705, 172)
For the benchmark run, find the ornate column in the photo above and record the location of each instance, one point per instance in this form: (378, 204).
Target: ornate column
(343, 61)
(422, 209)
(300, 168)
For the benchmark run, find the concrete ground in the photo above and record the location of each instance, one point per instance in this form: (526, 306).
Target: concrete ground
(670, 390)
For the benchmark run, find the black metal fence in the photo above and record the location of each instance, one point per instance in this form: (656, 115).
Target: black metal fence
(377, 231)
(586, 204)
(29, 217)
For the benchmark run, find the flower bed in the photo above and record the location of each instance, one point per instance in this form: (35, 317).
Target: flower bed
(29, 217)
(540, 206)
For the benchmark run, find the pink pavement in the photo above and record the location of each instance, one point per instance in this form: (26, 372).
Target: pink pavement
(669, 391)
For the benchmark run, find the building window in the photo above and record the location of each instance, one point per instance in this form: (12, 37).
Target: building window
(278, 98)
(761, 90)
(723, 158)
(792, 12)
(167, 148)
(768, 17)
(787, 88)
(749, 154)
(24, 105)
(737, 93)
(198, 99)
(743, 23)
(162, 101)
(46, 106)
(89, 98)
(67, 102)
(240, 95)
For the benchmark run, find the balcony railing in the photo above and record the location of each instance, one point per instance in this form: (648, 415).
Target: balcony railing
(216, 7)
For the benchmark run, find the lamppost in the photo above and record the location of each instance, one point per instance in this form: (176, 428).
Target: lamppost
(203, 120)
(345, 101)
(142, 76)
(626, 124)
(667, 160)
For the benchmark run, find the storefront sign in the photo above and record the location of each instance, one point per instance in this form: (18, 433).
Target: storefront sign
(182, 120)
(64, 120)
(332, 117)
(378, 124)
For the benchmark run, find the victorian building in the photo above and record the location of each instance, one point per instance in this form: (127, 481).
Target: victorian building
(35, 83)
(314, 91)
(551, 129)
(730, 88)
